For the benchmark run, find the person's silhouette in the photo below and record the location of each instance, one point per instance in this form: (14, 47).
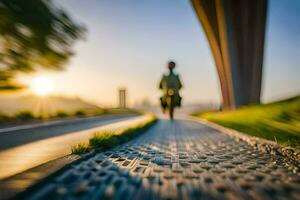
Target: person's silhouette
(170, 81)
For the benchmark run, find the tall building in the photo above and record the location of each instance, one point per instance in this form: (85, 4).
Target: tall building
(122, 98)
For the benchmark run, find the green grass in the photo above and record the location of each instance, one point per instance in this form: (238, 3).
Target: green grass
(278, 121)
(61, 114)
(109, 139)
(80, 113)
(119, 111)
(80, 148)
(24, 116)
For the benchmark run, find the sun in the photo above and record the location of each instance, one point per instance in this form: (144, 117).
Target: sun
(41, 86)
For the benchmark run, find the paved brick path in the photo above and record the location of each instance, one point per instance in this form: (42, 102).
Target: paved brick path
(177, 160)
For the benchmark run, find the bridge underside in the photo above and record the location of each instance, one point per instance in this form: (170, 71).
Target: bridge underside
(235, 30)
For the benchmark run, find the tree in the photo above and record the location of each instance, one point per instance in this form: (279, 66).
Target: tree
(34, 34)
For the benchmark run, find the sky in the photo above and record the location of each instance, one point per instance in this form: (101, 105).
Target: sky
(129, 42)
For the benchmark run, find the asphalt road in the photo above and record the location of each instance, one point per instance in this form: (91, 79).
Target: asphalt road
(27, 148)
(19, 135)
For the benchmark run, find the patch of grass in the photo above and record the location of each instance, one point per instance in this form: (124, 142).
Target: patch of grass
(80, 148)
(4, 117)
(80, 113)
(62, 114)
(278, 121)
(119, 111)
(24, 116)
(109, 139)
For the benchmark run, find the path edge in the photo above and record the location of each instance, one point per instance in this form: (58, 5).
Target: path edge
(75, 159)
(263, 145)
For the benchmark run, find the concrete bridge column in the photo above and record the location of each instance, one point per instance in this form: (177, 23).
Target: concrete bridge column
(235, 30)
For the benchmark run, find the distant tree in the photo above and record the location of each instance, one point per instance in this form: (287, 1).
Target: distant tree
(33, 34)
(24, 115)
(80, 113)
(62, 114)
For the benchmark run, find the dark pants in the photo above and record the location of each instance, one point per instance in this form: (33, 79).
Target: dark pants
(163, 101)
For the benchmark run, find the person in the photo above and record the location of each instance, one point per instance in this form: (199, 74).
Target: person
(170, 81)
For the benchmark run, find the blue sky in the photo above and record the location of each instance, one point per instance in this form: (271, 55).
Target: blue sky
(129, 42)
(282, 53)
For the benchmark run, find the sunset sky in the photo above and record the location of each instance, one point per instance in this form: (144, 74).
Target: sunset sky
(129, 42)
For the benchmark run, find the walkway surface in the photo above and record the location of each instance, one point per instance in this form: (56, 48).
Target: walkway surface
(37, 145)
(176, 160)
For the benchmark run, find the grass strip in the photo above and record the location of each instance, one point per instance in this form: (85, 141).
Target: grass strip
(109, 139)
(278, 121)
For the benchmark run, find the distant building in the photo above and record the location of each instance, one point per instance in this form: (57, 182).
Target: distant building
(122, 98)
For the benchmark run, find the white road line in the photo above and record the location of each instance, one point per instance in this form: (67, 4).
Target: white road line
(29, 126)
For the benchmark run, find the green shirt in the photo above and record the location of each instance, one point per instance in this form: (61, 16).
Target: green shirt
(170, 81)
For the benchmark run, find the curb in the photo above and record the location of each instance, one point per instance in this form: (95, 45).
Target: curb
(263, 145)
(78, 158)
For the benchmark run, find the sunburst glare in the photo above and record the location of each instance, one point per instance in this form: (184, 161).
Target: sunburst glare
(41, 86)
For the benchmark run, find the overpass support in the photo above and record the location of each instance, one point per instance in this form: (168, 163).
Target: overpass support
(235, 30)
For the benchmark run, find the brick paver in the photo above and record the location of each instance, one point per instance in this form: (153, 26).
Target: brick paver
(177, 160)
